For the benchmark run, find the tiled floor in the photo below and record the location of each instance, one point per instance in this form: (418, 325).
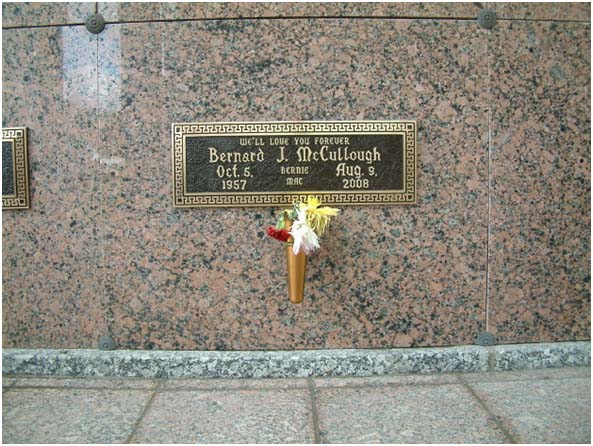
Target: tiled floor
(538, 406)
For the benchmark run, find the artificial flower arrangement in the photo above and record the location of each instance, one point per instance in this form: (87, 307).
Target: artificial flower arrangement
(300, 228)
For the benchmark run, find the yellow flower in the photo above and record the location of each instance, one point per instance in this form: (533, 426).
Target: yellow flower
(312, 203)
(318, 217)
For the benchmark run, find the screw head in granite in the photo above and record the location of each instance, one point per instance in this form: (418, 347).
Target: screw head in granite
(95, 23)
(485, 338)
(107, 343)
(486, 18)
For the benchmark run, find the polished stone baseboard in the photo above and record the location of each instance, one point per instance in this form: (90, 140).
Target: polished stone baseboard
(304, 363)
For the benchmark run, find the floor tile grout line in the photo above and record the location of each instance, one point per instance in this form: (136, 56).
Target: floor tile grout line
(509, 438)
(303, 386)
(314, 412)
(163, 389)
(238, 389)
(231, 389)
(115, 389)
(10, 387)
(142, 415)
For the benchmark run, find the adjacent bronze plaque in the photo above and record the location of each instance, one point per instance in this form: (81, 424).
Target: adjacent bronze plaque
(15, 169)
(277, 163)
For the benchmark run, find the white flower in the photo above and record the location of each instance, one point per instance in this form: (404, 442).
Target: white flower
(304, 237)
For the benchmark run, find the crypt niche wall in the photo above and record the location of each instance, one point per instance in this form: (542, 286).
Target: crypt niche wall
(499, 240)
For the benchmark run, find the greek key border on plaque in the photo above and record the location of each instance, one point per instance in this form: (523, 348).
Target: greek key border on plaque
(18, 137)
(180, 199)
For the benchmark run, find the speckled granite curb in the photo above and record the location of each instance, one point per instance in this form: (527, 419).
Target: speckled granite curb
(276, 364)
(542, 356)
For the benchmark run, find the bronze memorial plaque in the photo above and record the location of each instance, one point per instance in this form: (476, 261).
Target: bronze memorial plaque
(15, 169)
(276, 163)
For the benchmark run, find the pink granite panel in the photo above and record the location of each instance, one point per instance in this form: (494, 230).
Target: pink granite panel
(40, 14)
(102, 251)
(50, 292)
(541, 172)
(129, 11)
(543, 11)
(209, 278)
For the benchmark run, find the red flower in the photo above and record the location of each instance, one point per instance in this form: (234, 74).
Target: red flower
(279, 234)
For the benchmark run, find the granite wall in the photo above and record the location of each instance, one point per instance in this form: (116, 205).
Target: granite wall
(499, 240)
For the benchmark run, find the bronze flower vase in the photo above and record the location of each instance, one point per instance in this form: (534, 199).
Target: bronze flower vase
(297, 265)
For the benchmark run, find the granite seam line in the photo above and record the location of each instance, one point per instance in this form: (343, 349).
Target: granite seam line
(336, 17)
(462, 19)
(489, 181)
(242, 389)
(491, 359)
(301, 387)
(42, 26)
(447, 19)
(509, 19)
(107, 312)
(497, 421)
(314, 412)
(147, 407)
